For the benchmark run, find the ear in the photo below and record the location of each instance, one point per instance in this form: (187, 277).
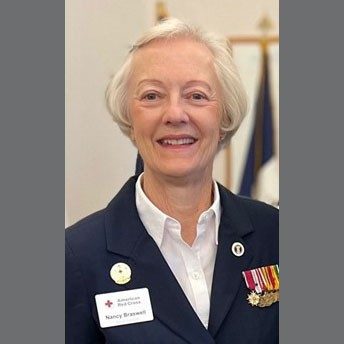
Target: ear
(221, 135)
(131, 133)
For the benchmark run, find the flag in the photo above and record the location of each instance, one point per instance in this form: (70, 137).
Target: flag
(261, 146)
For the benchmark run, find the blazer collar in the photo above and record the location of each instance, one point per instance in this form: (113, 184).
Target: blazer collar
(123, 227)
(235, 226)
(126, 236)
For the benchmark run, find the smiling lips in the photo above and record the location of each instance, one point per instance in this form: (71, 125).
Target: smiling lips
(177, 141)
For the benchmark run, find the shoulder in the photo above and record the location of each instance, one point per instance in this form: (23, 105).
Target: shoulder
(262, 217)
(87, 233)
(264, 220)
(253, 208)
(256, 223)
(258, 211)
(86, 225)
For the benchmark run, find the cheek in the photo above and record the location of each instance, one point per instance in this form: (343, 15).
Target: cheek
(212, 123)
(137, 124)
(144, 121)
(143, 128)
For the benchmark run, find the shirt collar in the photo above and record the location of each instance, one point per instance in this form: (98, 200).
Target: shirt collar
(216, 209)
(154, 219)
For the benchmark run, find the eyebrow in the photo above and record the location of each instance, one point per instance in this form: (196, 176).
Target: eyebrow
(198, 82)
(149, 81)
(188, 84)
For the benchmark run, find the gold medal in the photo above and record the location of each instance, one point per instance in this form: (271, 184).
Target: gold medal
(253, 298)
(263, 300)
(120, 273)
(267, 299)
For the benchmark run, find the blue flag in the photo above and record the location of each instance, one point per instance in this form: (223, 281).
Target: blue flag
(261, 146)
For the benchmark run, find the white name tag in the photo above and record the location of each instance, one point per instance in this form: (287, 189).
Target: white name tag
(124, 307)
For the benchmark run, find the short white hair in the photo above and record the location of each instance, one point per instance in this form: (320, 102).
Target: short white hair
(234, 102)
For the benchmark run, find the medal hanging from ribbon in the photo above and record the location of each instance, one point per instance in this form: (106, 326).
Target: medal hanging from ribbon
(264, 285)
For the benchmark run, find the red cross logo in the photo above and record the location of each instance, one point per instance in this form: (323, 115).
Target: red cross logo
(108, 303)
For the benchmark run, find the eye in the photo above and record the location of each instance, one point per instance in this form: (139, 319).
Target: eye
(150, 96)
(198, 96)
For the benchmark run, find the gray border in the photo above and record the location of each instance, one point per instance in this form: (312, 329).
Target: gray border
(32, 149)
(311, 172)
(32, 172)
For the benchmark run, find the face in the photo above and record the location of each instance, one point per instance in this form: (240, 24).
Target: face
(174, 105)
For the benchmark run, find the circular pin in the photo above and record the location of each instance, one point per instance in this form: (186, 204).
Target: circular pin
(120, 273)
(238, 249)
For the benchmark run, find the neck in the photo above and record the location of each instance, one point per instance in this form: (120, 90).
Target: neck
(184, 200)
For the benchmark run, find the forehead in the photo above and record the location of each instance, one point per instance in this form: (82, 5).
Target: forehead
(162, 57)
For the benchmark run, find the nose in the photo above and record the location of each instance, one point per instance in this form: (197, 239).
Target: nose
(174, 112)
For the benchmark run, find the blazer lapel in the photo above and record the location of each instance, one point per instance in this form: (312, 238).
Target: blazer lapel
(169, 302)
(227, 277)
(127, 236)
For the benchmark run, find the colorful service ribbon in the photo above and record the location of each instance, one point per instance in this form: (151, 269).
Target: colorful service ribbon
(263, 279)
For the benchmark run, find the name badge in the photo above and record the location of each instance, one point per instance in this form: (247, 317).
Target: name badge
(124, 307)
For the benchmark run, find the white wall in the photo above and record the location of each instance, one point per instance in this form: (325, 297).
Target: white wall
(99, 159)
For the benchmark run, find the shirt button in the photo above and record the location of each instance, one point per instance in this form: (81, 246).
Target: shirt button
(196, 275)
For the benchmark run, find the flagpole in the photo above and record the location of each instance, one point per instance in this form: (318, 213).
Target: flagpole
(265, 25)
(161, 11)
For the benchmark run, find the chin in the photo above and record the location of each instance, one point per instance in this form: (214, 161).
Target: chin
(178, 170)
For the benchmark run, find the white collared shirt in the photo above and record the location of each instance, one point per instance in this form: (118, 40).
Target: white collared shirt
(193, 266)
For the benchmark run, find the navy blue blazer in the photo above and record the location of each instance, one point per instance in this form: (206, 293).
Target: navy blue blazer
(116, 234)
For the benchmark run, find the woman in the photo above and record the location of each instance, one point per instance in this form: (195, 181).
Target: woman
(170, 259)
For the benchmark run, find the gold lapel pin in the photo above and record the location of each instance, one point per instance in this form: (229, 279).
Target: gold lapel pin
(120, 273)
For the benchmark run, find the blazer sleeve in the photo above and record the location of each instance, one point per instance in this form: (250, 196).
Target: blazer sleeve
(80, 327)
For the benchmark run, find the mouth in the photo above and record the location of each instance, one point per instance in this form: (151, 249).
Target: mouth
(177, 141)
